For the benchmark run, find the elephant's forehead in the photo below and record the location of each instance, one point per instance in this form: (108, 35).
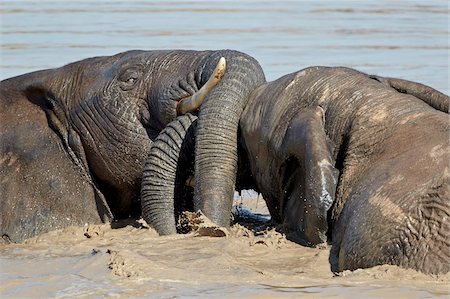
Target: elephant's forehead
(130, 57)
(159, 61)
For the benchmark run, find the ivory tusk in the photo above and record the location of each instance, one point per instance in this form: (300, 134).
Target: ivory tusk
(194, 102)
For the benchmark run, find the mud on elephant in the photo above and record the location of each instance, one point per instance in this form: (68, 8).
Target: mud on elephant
(358, 160)
(73, 140)
(387, 138)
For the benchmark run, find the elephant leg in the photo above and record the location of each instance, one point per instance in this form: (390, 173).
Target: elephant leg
(169, 166)
(309, 179)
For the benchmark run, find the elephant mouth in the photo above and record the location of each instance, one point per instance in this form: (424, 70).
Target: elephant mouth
(152, 133)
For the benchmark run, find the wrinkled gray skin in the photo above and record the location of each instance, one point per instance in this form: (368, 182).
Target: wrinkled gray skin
(388, 140)
(73, 140)
(168, 178)
(391, 147)
(289, 157)
(216, 154)
(166, 191)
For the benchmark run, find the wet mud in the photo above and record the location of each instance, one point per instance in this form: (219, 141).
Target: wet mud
(250, 260)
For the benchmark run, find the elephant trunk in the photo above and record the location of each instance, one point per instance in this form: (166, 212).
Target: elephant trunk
(216, 144)
(167, 168)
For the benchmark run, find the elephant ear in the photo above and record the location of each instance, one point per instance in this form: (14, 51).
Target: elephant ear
(166, 190)
(429, 95)
(40, 92)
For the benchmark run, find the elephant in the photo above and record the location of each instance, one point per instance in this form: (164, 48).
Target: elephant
(356, 160)
(388, 140)
(73, 140)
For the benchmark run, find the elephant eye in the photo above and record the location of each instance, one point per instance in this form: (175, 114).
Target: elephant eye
(128, 79)
(131, 80)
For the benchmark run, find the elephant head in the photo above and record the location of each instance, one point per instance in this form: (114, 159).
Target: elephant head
(389, 140)
(107, 111)
(290, 157)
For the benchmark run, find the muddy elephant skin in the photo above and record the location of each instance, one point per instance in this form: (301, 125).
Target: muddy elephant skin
(73, 139)
(389, 141)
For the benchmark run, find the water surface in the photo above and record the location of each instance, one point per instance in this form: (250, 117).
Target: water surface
(407, 39)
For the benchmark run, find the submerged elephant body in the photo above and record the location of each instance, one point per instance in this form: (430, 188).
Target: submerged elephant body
(73, 140)
(391, 148)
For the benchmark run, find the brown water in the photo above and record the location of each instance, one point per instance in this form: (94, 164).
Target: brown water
(406, 39)
(132, 260)
(251, 261)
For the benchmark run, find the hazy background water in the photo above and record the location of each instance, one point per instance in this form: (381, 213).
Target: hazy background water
(406, 39)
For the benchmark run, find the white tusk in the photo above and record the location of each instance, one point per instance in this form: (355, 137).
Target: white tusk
(194, 102)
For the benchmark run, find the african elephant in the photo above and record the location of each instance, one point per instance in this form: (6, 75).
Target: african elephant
(73, 140)
(388, 140)
(362, 160)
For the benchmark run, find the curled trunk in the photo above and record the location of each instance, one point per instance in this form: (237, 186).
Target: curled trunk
(169, 165)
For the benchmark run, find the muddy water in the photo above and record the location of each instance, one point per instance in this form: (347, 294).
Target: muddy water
(407, 39)
(251, 261)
